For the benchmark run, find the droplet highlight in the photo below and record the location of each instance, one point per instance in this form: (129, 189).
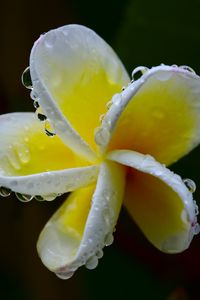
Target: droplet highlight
(187, 68)
(36, 104)
(24, 197)
(109, 239)
(5, 192)
(33, 95)
(48, 129)
(65, 275)
(91, 263)
(109, 104)
(26, 78)
(39, 198)
(41, 117)
(99, 254)
(13, 158)
(102, 136)
(190, 184)
(50, 197)
(23, 153)
(138, 72)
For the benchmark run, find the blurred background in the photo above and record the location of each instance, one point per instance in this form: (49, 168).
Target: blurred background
(142, 33)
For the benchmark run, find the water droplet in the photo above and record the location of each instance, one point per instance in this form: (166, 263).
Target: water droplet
(196, 229)
(5, 192)
(26, 78)
(39, 198)
(36, 104)
(106, 216)
(102, 136)
(109, 239)
(109, 104)
(50, 197)
(48, 133)
(65, 275)
(101, 118)
(99, 253)
(190, 184)
(41, 117)
(138, 72)
(91, 263)
(48, 129)
(187, 68)
(196, 208)
(33, 95)
(24, 197)
(13, 158)
(50, 40)
(23, 153)
(117, 99)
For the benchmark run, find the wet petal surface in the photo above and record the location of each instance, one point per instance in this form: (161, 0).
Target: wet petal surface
(159, 202)
(83, 225)
(32, 163)
(79, 72)
(158, 114)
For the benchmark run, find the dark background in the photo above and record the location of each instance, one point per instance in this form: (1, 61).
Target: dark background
(142, 33)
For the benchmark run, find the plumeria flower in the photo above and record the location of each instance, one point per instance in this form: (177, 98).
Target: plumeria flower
(107, 140)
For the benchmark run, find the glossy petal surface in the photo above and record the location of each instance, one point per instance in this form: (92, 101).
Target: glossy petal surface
(158, 201)
(32, 163)
(79, 72)
(79, 228)
(162, 117)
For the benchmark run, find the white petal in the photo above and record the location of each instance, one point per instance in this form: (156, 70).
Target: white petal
(54, 182)
(159, 73)
(59, 60)
(178, 240)
(59, 248)
(35, 164)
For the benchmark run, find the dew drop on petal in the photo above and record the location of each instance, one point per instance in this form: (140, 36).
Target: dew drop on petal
(138, 72)
(196, 208)
(117, 99)
(99, 253)
(190, 184)
(23, 153)
(195, 228)
(50, 197)
(48, 133)
(41, 117)
(91, 263)
(65, 275)
(101, 118)
(39, 198)
(50, 41)
(109, 104)
(13, 158)
(36, 104)
(48, 129)
(109, 239)
(33, 95)
(187, 68)
(26, 78)
(102, 136)
(4, 192)
(24, 197)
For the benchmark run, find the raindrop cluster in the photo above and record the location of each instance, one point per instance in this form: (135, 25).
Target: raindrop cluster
(27, 82)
